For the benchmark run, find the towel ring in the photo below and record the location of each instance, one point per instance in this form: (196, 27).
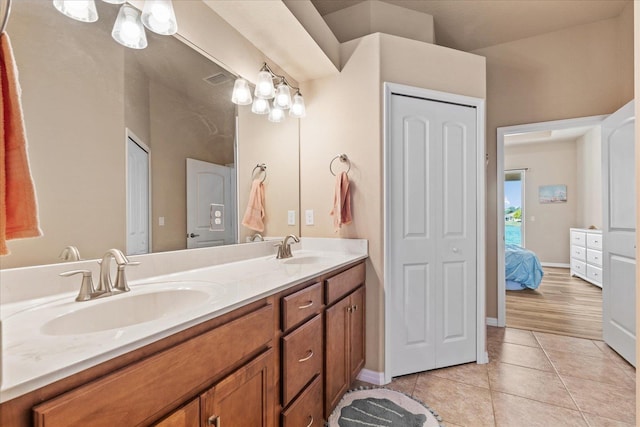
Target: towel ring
(263, 168)
(5, 18)
(343, 158)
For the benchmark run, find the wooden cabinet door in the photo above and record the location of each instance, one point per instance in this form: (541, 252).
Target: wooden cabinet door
(337, 373)
(187, 416)
(244, 398)
(356, 333)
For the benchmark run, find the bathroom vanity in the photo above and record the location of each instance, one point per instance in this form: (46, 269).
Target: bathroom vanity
(279, 349)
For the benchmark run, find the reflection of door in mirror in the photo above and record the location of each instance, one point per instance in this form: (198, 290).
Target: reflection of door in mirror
(514, 187)
(137, 197)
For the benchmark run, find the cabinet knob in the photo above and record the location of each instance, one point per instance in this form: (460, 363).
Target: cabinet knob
(304, 359)
(310, 421)
(355, 307)
(214, 420)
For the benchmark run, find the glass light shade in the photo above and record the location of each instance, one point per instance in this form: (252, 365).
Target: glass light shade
(80, 10)
(264, 86)
(158, 16)
(241, 93)
(260, 106)
(276, 115)
(298, 109)
(128, 29)
(114, 1)
(283, 96)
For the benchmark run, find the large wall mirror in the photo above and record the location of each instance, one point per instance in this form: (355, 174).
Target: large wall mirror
(97, 113)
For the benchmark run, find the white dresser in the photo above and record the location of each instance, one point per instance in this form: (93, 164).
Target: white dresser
(586, 254)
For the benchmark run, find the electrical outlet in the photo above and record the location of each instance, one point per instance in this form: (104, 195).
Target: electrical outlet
(161, 221)
(308, 215)
(291, 217)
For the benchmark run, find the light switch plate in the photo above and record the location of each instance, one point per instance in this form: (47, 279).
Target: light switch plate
(291, 217)
(308, 216)
(161, 221)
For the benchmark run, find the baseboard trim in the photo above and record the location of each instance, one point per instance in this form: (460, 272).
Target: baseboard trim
(492, 321)
(371, 377)
(555, 264)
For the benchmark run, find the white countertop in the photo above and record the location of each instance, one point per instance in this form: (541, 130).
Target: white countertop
(32, 358)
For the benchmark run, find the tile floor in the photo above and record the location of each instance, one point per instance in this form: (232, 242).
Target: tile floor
(533, 379)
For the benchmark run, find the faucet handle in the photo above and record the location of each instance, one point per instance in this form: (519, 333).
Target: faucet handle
(86, 288)
(121, 279)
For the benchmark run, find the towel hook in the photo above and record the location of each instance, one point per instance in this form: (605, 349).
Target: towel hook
(263, 168)
(344, 159)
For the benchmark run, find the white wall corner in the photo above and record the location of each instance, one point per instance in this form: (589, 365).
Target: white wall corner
(492, 321)
(371, 377)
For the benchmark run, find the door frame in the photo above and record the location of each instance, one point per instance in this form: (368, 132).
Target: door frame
(130, 135)
(501, 133)
(450, 98)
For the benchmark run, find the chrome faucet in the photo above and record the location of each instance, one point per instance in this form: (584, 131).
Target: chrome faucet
(106, 285)
(284, 248)
(256, 237)
(70, 253)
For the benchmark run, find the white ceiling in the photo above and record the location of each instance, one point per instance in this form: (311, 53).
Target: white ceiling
(569, 134)
(473, 24)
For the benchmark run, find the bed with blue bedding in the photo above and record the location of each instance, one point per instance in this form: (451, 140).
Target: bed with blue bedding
(523, 269)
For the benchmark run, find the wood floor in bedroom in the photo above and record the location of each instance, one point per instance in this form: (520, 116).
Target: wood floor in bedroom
(562, 305)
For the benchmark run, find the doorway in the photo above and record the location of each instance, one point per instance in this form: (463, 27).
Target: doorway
(138, 195)
(514, 212)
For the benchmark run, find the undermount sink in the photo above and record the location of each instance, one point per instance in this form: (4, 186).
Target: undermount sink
(307, 259)
(128, 309)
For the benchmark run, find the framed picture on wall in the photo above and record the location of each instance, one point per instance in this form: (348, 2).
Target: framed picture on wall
(552, 193)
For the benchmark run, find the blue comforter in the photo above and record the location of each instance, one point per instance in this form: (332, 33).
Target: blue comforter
(522, 266)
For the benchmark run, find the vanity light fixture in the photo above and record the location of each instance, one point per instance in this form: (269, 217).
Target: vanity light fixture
(80, 10)
(265, 91)
(157, 15)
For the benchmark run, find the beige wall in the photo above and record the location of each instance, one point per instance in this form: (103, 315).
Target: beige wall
(547, 225)
(571, 73)
(589, 179)
(345, 116)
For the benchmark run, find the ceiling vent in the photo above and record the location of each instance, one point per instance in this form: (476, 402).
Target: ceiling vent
(217, 79)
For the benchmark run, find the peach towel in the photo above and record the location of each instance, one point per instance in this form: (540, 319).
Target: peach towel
(254, 215)
(18, 207)
(341, 211)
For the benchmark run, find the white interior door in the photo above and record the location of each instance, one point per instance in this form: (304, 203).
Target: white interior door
(137, 198)
(619, 201)
(431, 235)
(211, 207)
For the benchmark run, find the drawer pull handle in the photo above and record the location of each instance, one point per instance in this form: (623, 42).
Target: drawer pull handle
(214, 420)
(355, 307)
(307, 305)
(310, 421)
(304, 359)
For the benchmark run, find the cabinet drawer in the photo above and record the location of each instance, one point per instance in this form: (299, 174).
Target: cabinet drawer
(187, 416)
(343, 283)
(594, 273)
(306, 410)
(141, 391)
(301, 358)
(578, 267)
(301, 305)
(578, 252)
(594, 241)
(578, 238)
(594, 257)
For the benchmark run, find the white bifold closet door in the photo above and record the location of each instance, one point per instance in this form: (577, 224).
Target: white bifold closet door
(432, 233)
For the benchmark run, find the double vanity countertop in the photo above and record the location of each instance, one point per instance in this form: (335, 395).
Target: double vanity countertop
(49, 337)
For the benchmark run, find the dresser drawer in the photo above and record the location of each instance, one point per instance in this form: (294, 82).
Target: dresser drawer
(343, 283)
(594, 241)
(301, 305)
(301, 358)
(578, 267)
(578, 252)
(306, 410)
(594, 257)
(578, 238)
(594, 273)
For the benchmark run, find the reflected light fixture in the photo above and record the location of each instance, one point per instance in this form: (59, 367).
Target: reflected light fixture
(265, 91)
(128, 29)
(114, 1)
(159, 17)
(80, 10)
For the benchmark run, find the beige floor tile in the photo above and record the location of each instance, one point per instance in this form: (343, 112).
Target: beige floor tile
(617, 359)
(457, 403)
(600, 368)
(520, 336)
(469, 373)
(596, 421)
(521, 355)
(530, 383)
(617, 402)
(405, 383)
(514, 411)
(569, 344)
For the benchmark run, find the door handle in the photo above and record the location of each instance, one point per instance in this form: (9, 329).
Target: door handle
(192, 235)
(455, 250)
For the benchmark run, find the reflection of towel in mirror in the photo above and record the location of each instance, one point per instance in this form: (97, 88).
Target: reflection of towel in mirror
(254, 215)
(341, 211)
(18, 207)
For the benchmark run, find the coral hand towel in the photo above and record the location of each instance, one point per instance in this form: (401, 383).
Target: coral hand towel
(341, 211)
(18, 207)
(254, 215)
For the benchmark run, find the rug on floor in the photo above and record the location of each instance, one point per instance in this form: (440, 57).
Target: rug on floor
(382, 407)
